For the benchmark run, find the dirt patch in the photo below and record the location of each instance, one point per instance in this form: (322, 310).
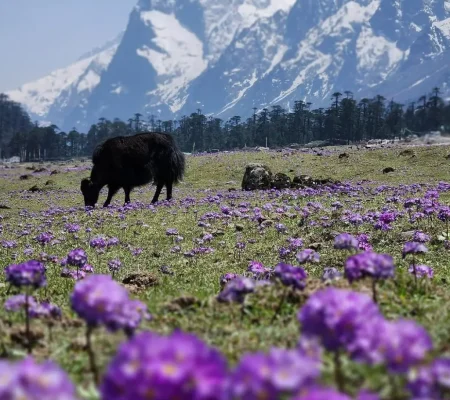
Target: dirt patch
(142, 281)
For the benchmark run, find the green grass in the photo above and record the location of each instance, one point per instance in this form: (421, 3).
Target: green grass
(218, 324)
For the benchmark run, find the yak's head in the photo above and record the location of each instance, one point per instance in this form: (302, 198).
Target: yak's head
(90, 192)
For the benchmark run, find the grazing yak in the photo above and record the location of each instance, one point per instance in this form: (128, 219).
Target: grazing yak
(130, 161)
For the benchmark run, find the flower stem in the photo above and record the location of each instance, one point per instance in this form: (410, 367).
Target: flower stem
(27, 322)
(277, 311)
(338, 373)
(91, 355)
(374, 291)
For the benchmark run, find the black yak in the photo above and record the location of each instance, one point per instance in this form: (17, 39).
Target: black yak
(130, 161)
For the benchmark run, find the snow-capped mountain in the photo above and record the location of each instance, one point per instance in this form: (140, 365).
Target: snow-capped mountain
(228, 56)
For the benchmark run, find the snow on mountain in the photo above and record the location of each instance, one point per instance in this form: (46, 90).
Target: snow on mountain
(55, 90)
(229, 56)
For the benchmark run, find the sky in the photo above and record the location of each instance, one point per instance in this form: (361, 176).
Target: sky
(39, 36)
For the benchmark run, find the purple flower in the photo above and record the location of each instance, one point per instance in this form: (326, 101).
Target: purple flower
(112, 242)
(172, 232)
(431, 381)
(77, 258)
(163, 367)
(399, 344)
(45, 310)
(225, 278)
(295, 243)
(272, 375)
(280, 228)
(44, 238)
(377, 266)
(345, 241)
(98, 243)
(363, 242)
(307, 255)
(319, 393)
(29, 380)
(17, 302)
(331, 274)
(421, 237)
(291, 276)
(97, 298)
(335, 316)
(413, 248)
(258, 269)
(114, 265)
(421, 271)
(236, 290)
(30, 273)
(72, 228)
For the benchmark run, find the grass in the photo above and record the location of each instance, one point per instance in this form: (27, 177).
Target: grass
(186, 299)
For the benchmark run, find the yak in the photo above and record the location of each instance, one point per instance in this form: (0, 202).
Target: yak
(130, 161)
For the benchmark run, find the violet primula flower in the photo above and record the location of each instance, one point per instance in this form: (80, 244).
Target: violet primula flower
(225, 278)
(258, 269)
(26, 379)
(17, 302)
(400, 344)
(100, 300)
(369, 264)
(431, 381)
(236, 290)
(30, 273)
(278, 373)
(77, 258)
(290, 275)
(413, 248)
(335, 316)
(176, 366)
(320, 393)
(307, 255)
(345, 241)
(421, 271)
(331, 274)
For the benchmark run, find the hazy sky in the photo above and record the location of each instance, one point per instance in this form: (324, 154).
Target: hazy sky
(39, 36)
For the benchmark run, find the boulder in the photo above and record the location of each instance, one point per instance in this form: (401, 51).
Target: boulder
(281, 181)
(388, 169)
(343, 155)
(257, 177)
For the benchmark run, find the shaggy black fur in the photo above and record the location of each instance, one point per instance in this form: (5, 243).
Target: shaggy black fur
(130, 161)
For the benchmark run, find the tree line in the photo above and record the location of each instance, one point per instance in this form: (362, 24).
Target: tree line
(345, 121)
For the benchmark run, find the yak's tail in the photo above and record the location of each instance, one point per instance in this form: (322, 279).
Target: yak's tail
(177, 163)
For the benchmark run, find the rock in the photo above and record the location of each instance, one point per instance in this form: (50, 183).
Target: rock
(257, 177)
(239, 227)
(407, 152)
(166, 270)
(182, 303)
(306, 181)
(35, 188)
(49, 183)
(156, 254)
(141, 280)
(315, 246)
(4, 207)
(24, 177)
(281, 181)
(266, 223)
(447, 156)
(42, 169)
(388, 169)
(54, 172)
(343, 155)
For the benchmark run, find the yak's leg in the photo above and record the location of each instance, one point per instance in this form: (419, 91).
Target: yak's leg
(127, 191)
(112, 190)
(159, 187)
(169, 190)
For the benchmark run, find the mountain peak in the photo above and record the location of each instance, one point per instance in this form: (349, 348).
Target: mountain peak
(228, 56)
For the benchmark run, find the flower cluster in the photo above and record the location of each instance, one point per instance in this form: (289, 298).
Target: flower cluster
(99, 300)
(30, 273)
(369, 264)
(291, 276)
